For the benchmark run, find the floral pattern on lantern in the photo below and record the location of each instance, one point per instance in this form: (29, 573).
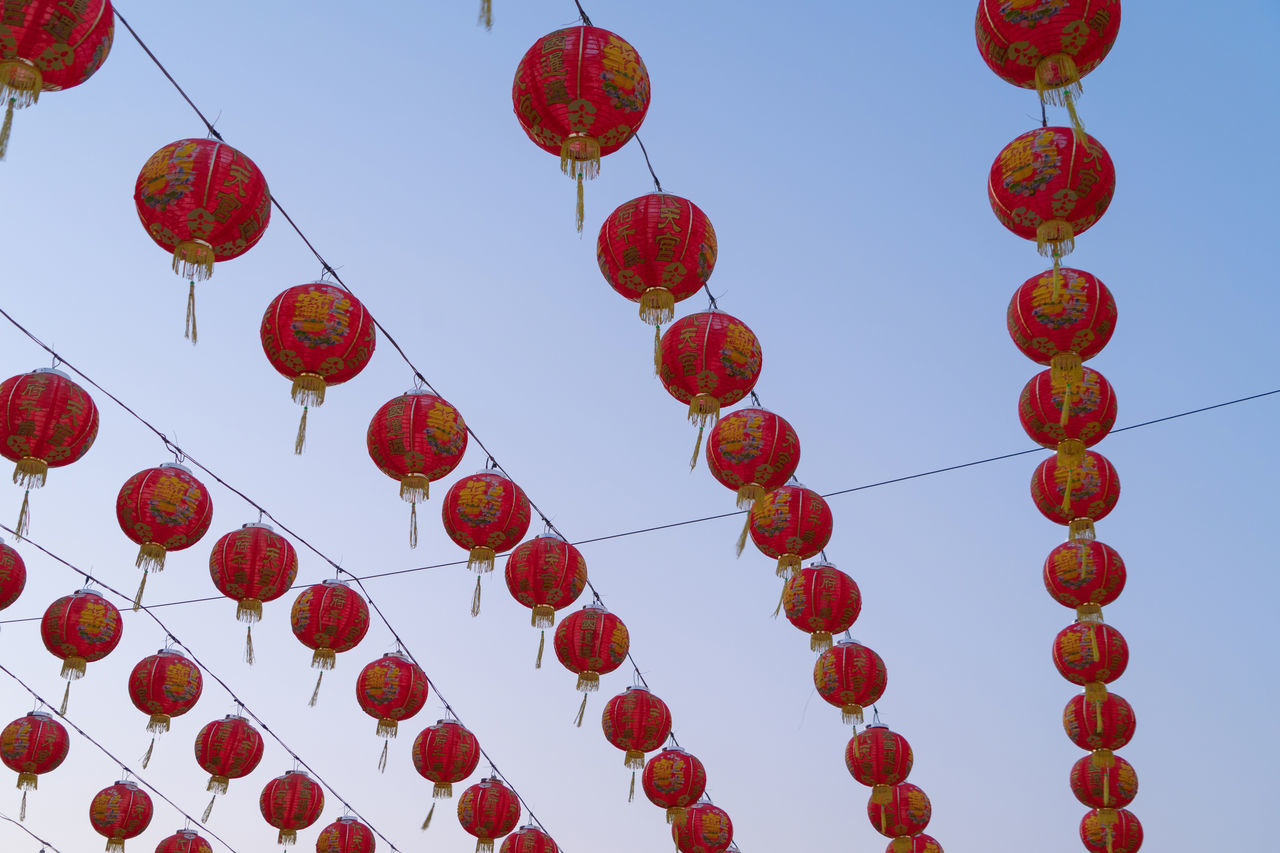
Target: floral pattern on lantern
(120, 812)
(879, 758)
(1076, 495)
(906, 812)
(1046, 45)
(291, 802)
(791, 524)
(850, 676)
(821, 600)
(1091, 654)
(752, 451)
(1085, 574)
(703, 828)
(488, 810)
(162, 509)
(32, 746)
(674, 780)
(709, 360)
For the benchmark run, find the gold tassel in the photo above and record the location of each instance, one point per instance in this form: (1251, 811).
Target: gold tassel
(442, 791)
(1057, 277)
(782, 600)
(742, 537)
(1106, 788)
(414, 488)
(308, 389)
(881, 795)
(884, 821)
(704, 408)
(115, 845)
(190, 333)
(902, 844)
(486, 18)
(249, 610)
(579, 220)
(248, 645)
(1066, 491)
(582, 709)
(1077, 126)
(484, 845)
(580, 154)
(30, 472)
(218, 784)
(543, 616)
(697, 447)
(657, 350)
(146, 758)
(150, 557)
(1057, 78)
(851, 715)
(413, 525)
(208, 810)
(193, 260)
(749, 494)
(286, 837)
(301, 441)
(158, 724)
(1102, 759)
(24, 515)
(480, 559)
(137, 596)
(28, 781)
(324, 659)
(22, 809)
(657, 306)
(382, 759)
(542, 643)
(66, 697)
(6, 129)
(475, 599)
(387, 727)
(430, 814)
(1107, 817)
(1089, 613)
(1070, 452)
(588, 681)
(631, 796)
(1081, 528)
(819, 641)
(1066, 368)
(1055, 237)
(675, 814)
(788, 564)
(634, 759)
(1066, 405)
(1097, 710)
(1110, 834)
(1095, 691)
(1093, 644)
(315, 694)
(73, 668)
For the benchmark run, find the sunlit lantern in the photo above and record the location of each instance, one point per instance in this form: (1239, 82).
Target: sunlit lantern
(821, 600)
(488, 810)
(13, 575)
(1062, 321)
(591, 642)
(674, 780)
(1084, 574)
(390, 689)
(120, 812)
(32, 746)
(328, 617)
(1067, 416)
(291, 802)
(346, 835)
(252, 565)
(636, 722)
(162, 509)
(1111, 831)
(1101, 726)
(752, 451)
(445, 754)
(164, 685)
(487, 514)
(790, 524)
(545, 574)
(850, 676)
(227, 749)
(79, 629)
(1090, 654)
(879, 758)
(704, 828)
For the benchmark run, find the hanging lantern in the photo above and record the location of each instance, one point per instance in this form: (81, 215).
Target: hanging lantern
(346, 835)
(790, 523)
(162, 509)
(821, 600)
(204, 201)
(1076, 495)
(46, 420)
(529, 839)
(49, 46)
(850, 676)
(915, 844)
(444, 754)
(31, 746)
(674, 780)
(390, 689)
(79, 629)
(581, 93)
(591, 642)
(317, 335)
(416, 438)
(752, 451)
(657, 250)
(1085, 574)
(291, 802)
(164, 685)
(120, 812)
(1091, 654)
(1068, 416)
(636, 722)
(227, 749)
(184, 841)
(704, 828)
(879, 758)
(1111, 831)
(1110, 787)
(906, 813)
(488, 514)
(328, 617)
(252, 565)
(546, 574)
(1101, 726)
(1062, 323)
(13, 575)
(488, 810)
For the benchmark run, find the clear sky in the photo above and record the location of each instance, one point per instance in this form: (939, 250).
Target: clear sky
(841, 150)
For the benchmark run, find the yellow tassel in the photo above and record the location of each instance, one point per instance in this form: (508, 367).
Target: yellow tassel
(881, 795)
(742, 537)
(301, 441)
(1108, 817)
(208, 810)
(24, 515)
(1055, 238)
(286, 837)
(542, 643)
(193, 260)
(632, 796)
(248, 645)
(249, 610)
(28, 781)
(819, 641)
(1081, 528)
(6, 129)
(1057, 276)
(382, 759)
(1070, 452)
(1110, 834)
(704, 408)
(484, 845)
(1057, 78)
(851, 715)
(315, 694)
(413, 525)
(1102, 759)
(1093, 644)
(1065, 368)
(788, 564)
(480, 559)
(1066, 491)
(430, 814)
(1097, 710)
(324, 659)
(697, 447)
(749, 494)
(884, 821)
(675, 814)
(22, 809)
(442, 791)
(657, 306)
(1089, 613)
(543, 616)
(579, 220)
(902, 844)
(582, 709)
(158, 724)
(1066, 406)
(30, 472)
(475, 599)
(218, 784)
(634, 759)
(308, 389)
(1106, 789)
(782, 601)
(1095, 691)
(150, 557)
(66, 698)
(657, 350)
(1077, 126)
(146, 758)
(73, 668)
(414, 488)
(486, 18)
(137, 596)
(190, 333)
(588, 681)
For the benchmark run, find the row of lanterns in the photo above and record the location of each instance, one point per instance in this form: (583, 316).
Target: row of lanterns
(1050, 185)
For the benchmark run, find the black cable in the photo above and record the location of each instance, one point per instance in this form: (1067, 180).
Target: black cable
(645, 151)
(43, 844)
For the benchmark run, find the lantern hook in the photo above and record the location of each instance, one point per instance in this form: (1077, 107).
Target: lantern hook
(711, 300)
(657, 183)
(823, 554)
(582, 12)
(755, 400)
(875, 716)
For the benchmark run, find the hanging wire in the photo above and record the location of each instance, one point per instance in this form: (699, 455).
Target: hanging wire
(44, 845)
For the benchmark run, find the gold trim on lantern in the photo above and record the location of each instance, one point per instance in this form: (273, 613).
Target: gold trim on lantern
(150, 557)
(543, 616)
(588, 681)
(414, 488)
(249, 610)
(442, 791)
(285, 837)
(1089, 613)
(675, 814)
(21, 81)
(1081, 528)
(819, 641)
(218, 784)
(1095, 691)
(480, 559)
(748, 494)
(881, 795)
(1058, 79)
(703, 409)
(634, 759)
(73, 667)
(1102, 759)
(387, 727)
(1066, 369)
(324, 659)
(851, 714)
(193, 260)
(1070, 453)
(158, 724)
(28, 781)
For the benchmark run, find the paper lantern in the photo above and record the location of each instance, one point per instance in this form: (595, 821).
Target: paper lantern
(291, 802)
(546, 574)
(657, 250)
(1068, 416)
(316, 335)
(850, 676)
(32, 746)
(414, 439)
(529, 839)
(1101, 726)
(752, 451)
(488, 810)
(906, 812)
(581, 93)
(1091, 654)
(1111, 831)
(346, 835)
(636, 722)
(390, 689)
(704, 828)
(163, 509)
(1111, 787)
(48, 46)
(79, 629)
(1062, 320)
(1076, 495)
(708, 360)
(120, 812)
(227, 749)
(791, 524)
(252, 565)
(487, 514)
(1085, 574)
(46, 421)
(445, 753)
(879, 758)
(591, 642)
(914, 844)
(164, 685)
(328, 617)
(184, 841)
(821, 600)
(674, 780)
(13, 575)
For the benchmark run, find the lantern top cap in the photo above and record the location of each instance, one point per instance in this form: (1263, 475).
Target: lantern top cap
(417, 392)
(295, 773)
(261, 524)
(127, 784)
(44, 715)
(186, 833)
(849, 642)
(234, 717)
(170, 652)
(550, 534)
(333, 582)
(178, 465)
(55, 371)
(457, 723)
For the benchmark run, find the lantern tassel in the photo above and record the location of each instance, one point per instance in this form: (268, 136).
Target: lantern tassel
(146, 757)
(1095, 691)
(1066, 492)
(1077, 126)
(150, 556)
(1055, 237)
(582, 710)
(543, 616)
(782, 598)
(190, 333)
(413, 525)
(881, 795)
(579, 219)
(315, 694)
(1102, 759)
(1110, 848)
(208, 810)
(308, 389)
(697, 447)
(741, 544)
(480, 559)
(248, 645)
(22, 809)
(1106, 789)
(1057, 276)
(66, 697)
(657, 350)
(387, 727)
(115, 845)
(1093, 643)
(542, 644)
(1097, 711)
(382, 759)
(158, 724)
(430, 814)
(475, 599)
(851, 715)
(137, 597)
(218, 784)
(788, 564)
(484, 845)
(442, 791)
(1081, 528)
(286, 837)
(1066, 406)
(632, 796)
(6, 129)
(819, 641)
(486, 18)
(301, 441)
(24, 515)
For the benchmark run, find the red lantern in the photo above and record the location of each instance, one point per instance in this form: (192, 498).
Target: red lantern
(1062, 322)
(346, 835)
(581, 93)
(636, 722)
(1084, 574)
(49, 46)
(291, 802)
(1076, 495)
(915, 844)
(444, 754)
(906, 813)
(390, 689)
(879, 758)
(1091, 654)
(488, 810)
(13, 575)
(317, 335)
(1111, 787)
(674, 780)
(252, 565)
(754, 452)
(120, 812)
(78, 629)
(162, 509)
(1067, 416)
(850, 676)
(488, 514)
(31, 746)
(328, 617)
(1111, 831)
(657, 250)
(791, 523)
(709, 360)
(164, 685)
(1050, 186)
(416, 438)
(227, 749)
(704, 828)
(546, 574)
(821, 600)
(591, 642)
(1101, 726)
(46, 421)
(529, 839)
(184, 841)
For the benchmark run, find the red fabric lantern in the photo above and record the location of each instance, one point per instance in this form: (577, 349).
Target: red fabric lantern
(162, 509)
(488, 810)
(78, 629)
(13, 575)
(821, 600)
(416, 438)
(120, 812)
(1085, 574)
(709, 360)
(1111, 831)
(591, 642)
(1101, 726)
(636, 722)
(581, 93)
(790, 523)
(46, 421)
(1091, 654)
(317, 335)
(50, 46)
(704, 828)
(1067, 416)
(328, 617)
(879, 758)
(184, 841)
(1076, 495)
(164, 685)
(546, 574)
(754, 452)
(227, 749)
(914, 844)
(850, 676)
(390, 689)
(1062, 322)
(906, 813)
(31, 746)
(488, 514)
(674, 780)
(252, 565)
(529, 839)
(346, 835)
(291, 802)
(444, 754)
(1050, 186)
(657, 250)
(1110, 787)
